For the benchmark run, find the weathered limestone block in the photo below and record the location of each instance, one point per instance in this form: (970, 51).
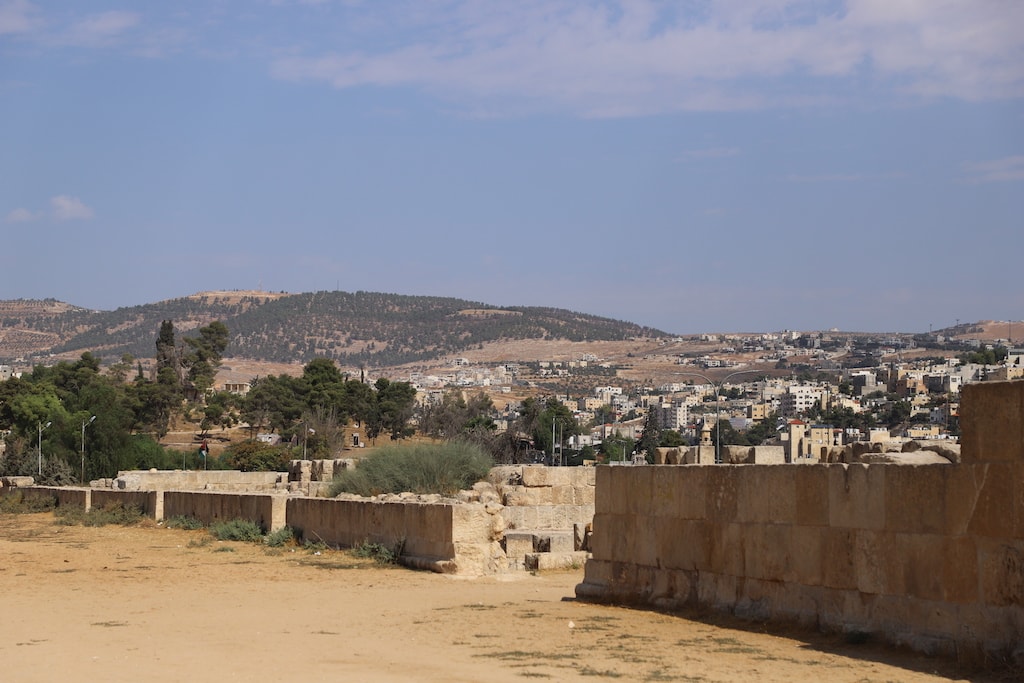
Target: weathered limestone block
(738, 455)
(487, 493)
(18, 482)
(726, 549)
(766, 494)
(722, 493)
(664, 493)
(541, 475)
(669, 456)
(767, 552)
(1001, 572)
(810, 483)
(128, 482)
(856, 496)
(838, 561)
(519, 496)
(997, 504)
(769, 455)
(518, 544)
(554, 560)
(992, 422)
(583, 494)
(915, 498)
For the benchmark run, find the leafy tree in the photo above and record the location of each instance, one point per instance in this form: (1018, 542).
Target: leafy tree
(395, 401)
(651, 435)
(204, 355)
(556, 415)
(617, 448)
(274, 402)
(604, 415)
(986, 356)
(325, 384)
(220, 410)
(255, 456)
(166, 349)
(671, 438)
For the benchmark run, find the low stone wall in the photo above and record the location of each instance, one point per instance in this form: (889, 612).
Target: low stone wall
(735, 455)
(442, 537)
(194, 480)
(151, 503)
(548, 510)
(72, 497)
(547, 514)
(208, 507)
(929, 556)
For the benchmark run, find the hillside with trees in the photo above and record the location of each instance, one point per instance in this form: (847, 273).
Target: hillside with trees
(368, 329)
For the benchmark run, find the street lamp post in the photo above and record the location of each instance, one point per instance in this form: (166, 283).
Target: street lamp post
(85, 423)
(718, 403)
(39, 445)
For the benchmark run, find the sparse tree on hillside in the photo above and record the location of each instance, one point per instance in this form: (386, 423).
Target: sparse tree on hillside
(204, 355)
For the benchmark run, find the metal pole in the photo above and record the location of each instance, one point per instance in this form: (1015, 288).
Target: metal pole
(718, 403)
(39, 445)
(85, 423)
(718, 424)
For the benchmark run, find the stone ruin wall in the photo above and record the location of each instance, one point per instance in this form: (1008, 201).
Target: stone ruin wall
(522, 517)
(929, 556)
(547, 514)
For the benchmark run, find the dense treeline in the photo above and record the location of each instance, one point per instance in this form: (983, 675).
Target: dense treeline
(72, 422)
(356, 329)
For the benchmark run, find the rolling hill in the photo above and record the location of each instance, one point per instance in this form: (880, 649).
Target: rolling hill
(368, 329)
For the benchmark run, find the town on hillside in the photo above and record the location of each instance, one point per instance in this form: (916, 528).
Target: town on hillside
(787, 397)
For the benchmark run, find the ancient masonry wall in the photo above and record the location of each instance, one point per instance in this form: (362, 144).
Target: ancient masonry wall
(547, 512)
(442, 537)
(452, 538)
(929, 556)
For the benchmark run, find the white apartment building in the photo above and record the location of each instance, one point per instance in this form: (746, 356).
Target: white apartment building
(798, 398)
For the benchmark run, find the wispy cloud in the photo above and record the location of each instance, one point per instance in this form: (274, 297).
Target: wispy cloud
(710, 153)
(617, 58)
(1007, 169)
(17, 16)
(20, 215)
(62, 208)
(841, 177)
(100, 29)
(67, 208)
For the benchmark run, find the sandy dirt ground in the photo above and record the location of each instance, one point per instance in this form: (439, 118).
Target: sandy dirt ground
(156, 604)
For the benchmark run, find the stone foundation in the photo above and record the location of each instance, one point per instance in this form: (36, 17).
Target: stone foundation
(929, 556)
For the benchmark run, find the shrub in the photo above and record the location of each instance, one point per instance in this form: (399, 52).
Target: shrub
(183, 522)
(237, 530)
(422, 468)
(15, 502)
(281, 537)
(378, 552)
(255, 456)
(114, 513)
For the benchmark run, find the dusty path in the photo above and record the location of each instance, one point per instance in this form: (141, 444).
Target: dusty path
(154, 604)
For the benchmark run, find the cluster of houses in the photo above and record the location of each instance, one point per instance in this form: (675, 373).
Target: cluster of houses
(929, 390)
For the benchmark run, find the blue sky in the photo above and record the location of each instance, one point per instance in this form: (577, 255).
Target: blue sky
(694, 166)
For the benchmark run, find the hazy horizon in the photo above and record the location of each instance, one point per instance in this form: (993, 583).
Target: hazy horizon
(751, 165)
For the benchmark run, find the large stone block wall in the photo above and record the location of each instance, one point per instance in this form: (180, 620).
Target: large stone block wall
(191, 480)
(930, 556)
(73, 497)
(536, 497)
(151, 503)
(208, 507)
(442, 537)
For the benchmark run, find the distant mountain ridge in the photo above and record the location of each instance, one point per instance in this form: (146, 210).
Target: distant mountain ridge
(369, 329)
